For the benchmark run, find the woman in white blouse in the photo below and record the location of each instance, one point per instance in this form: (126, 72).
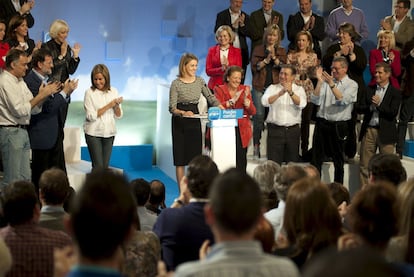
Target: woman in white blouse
(102, 106)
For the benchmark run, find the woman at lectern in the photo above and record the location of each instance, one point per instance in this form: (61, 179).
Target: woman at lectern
(185, 92)
(234, 95)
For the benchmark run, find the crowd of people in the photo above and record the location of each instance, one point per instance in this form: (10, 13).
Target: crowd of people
(282, 221)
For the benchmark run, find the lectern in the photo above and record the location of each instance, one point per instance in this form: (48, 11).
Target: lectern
(223, 138)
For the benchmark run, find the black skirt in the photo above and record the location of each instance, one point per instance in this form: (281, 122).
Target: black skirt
(186, 136)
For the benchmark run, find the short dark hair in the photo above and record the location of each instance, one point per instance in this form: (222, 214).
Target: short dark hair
(236, 201)
(103, 213)
(387, 67)
(141, 190)
(19, 200)
(407, 3)
(374, 214)
(339, 193)
(54, 186)
(289, 66)
(157, 195)
(387, 167)
(229, 71)
(14, 55)
(40, 55)
(287, 175)
(201, 172)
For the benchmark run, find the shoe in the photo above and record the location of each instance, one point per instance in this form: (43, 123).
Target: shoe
(256, 152)
(400, 155)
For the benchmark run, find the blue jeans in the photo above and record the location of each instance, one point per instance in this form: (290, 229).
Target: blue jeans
(100, 150)
(15, 151)
(258, 118)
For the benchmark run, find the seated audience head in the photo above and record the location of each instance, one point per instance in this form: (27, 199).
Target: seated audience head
(235, 206)
(339, 193)
(311, 220)
(287, 175)
(406, 218)
(103, 215)
(386, 168)
(265, 234)
(20, 204)
(312, 171)
(53, 186)
(388, 35)
(353, 262)
(58, 26)
(141, 190)
(157, 194)
(264, 175)
(373, 215)
(5, 258)
(200, 174)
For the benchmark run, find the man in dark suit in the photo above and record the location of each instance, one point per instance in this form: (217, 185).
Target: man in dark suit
(407, 101)
(45, 130)
(9, 8)
(182, 230)
(379, 129)
(262, 18)
(238, 20)
(306, 20)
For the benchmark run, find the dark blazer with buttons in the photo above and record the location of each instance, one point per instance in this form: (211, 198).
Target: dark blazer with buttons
(295, 24)
(7, 11)
(387, 112)
(258, 24)
(224, 18)
(43, 129)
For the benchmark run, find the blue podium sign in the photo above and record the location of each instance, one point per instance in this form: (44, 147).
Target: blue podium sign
(215, 113)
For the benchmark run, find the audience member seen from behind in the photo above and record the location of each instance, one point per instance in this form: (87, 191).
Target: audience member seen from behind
(102, 107)
(221, 56)
(340, 195)
(264, 175)
(233, 214)
(182, 231)
(31, 246)
(103, 218)
(373, 218)
(53, 191)
(283, 180)
(234, 95)
(156, 202)
(385, 52)
(4, 46)
(185, 92)
(386, 168)
(305, 61)
(401, 247)
(141, 190)
(266, 59)
(311, 222)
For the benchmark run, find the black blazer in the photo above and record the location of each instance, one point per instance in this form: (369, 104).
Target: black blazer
(388, 110)
(7, 11)
(408, 62)
(295, 24)
(258, 24)
(224, 18)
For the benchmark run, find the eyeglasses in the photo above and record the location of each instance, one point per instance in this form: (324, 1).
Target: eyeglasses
(399, 7)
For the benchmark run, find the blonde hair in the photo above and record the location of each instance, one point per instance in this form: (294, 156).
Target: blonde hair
(58, 26)
(272, 29)
(226, 28)
(388, 34)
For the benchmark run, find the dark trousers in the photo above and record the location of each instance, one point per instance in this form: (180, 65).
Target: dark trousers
(241, 160)
(328, 141)
(406, 112)
(100, 150)
(43, 159)
(304, 127)
(283, 143)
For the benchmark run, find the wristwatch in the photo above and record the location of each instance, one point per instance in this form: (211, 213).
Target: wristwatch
(60, 57)
(176, 200)
(291, 93)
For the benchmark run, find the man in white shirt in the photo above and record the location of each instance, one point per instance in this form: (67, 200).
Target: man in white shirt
(285, 101)
(16, 106)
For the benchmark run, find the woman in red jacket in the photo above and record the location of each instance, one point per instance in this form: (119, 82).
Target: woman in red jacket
(234, 95)
(221, 56)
